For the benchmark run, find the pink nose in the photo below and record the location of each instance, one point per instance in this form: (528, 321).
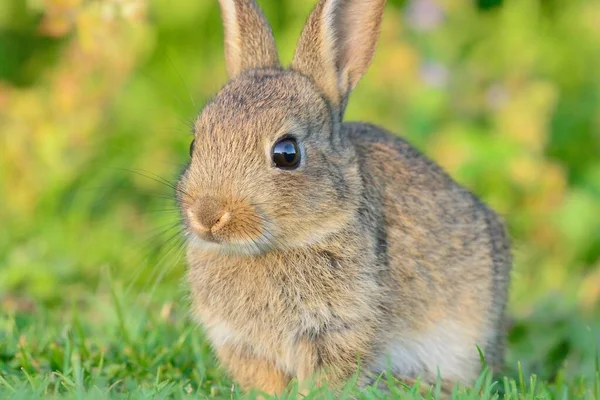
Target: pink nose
(208, 215)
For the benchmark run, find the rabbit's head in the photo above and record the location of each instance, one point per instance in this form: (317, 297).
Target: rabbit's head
(269, 166)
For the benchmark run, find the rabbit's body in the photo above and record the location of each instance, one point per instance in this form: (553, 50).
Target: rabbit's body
(388, 289)
(346, 245)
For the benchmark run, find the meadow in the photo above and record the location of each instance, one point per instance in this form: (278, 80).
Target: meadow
(96, 103)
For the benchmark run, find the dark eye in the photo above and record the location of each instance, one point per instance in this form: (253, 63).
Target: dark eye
(286, 154)
(192, 147)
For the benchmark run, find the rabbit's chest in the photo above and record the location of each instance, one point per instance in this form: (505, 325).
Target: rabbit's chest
(269, 309)
(276, 305)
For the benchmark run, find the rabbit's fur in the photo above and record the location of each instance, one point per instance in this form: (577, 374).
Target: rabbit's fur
(367, 251)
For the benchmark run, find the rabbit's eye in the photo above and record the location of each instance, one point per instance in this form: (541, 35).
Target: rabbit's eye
(286, 154)
(192, 147)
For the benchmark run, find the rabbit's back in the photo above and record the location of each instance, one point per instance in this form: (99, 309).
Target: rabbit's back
(446, 253)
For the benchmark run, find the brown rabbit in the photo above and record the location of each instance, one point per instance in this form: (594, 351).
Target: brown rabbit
(314, 243)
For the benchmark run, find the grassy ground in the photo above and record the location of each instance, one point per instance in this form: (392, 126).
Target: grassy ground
(112, 344)
(112, 353)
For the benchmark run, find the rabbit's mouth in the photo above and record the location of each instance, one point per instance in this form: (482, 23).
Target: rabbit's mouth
(237, 248)
(227, 227)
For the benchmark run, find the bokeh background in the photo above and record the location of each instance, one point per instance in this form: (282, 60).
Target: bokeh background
(97, 99)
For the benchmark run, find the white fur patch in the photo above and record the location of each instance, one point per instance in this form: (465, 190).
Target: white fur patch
(221, 334)
(449, 347)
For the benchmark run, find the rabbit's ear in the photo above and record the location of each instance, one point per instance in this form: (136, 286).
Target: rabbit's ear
(249, 41)
(338, 44)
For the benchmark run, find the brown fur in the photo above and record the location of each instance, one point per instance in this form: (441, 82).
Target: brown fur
(367, 250)
(248, 38)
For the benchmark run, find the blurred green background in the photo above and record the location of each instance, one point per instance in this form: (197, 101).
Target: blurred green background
(97, 98)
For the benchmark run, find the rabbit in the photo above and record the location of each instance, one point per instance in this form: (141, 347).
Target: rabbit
(317, 248)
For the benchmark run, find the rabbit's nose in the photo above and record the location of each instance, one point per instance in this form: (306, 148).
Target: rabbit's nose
(208, 215)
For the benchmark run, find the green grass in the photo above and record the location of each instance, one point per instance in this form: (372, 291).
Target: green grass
(114, 345)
